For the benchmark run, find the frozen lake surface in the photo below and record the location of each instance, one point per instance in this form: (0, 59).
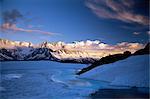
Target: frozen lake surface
(44, 80)
(51, 80)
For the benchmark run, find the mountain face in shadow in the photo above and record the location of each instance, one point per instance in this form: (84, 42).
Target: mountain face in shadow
(7, 53)
(39, 54)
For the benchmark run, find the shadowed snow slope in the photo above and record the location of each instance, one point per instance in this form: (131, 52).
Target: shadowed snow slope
(133, 71)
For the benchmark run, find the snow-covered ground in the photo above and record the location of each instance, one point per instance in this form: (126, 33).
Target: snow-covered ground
(53, 80)
(133, 71)
(44, 80)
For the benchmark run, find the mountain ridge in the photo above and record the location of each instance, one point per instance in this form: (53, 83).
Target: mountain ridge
(76, 52)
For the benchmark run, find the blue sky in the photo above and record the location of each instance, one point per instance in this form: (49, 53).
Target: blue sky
(110, 21)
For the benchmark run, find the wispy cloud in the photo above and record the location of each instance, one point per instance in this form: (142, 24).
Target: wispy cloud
(14, 28)
(134, 27)
(136, 33)
(10, 18)
(117, 9)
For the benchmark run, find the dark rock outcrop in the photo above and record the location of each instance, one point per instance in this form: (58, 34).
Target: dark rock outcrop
(106, 60)
(14, 55)
(6, 54)
(39, 54)
(143, 51)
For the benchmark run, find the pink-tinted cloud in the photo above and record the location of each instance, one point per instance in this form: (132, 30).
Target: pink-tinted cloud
(10, 19)
(14, 28)
(128, 3)
(119, 10)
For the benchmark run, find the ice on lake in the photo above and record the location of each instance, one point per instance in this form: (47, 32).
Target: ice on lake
(44, 80)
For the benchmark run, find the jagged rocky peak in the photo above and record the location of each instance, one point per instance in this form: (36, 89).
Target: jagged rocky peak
(52, 45)
(44, 44)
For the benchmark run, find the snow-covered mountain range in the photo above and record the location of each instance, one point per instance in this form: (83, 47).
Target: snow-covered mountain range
(78, 51)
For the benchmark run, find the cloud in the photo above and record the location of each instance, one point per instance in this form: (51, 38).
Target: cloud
(134, 27)
(10, 19)
(148, 32)
(128, 3)
(136, 33)
(14, 28)
(117, 9)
